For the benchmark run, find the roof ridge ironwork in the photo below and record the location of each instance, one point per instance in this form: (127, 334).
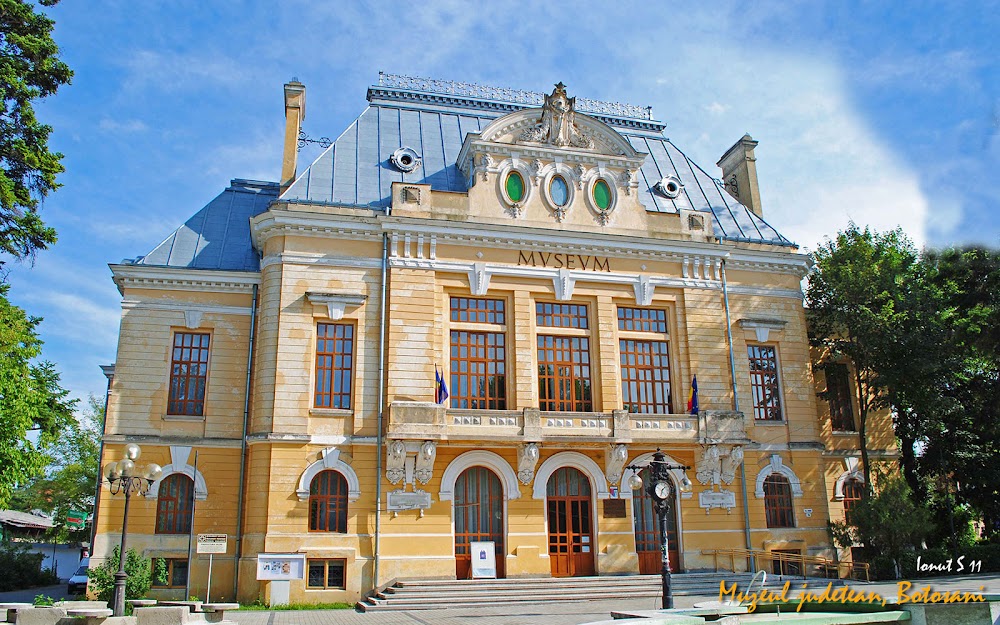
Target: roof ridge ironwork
(506, 94)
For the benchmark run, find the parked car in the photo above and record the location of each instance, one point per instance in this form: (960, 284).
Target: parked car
(78, 582)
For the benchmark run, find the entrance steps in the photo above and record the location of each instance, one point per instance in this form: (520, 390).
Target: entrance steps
(431, 594)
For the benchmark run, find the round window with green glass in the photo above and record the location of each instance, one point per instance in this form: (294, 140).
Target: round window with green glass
(514, 185)
(602, 194)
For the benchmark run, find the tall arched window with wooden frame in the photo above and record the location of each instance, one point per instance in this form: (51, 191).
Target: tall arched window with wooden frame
(778, 501)
(174, 504)
(853, 491)
(328, 503)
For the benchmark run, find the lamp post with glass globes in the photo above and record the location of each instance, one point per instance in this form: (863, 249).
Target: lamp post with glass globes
(661, 490)
(125, 477)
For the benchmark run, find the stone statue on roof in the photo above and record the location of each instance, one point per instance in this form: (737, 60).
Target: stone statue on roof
(558, 123)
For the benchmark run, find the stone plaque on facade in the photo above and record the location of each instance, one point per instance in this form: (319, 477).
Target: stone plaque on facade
(717, 499)
(402, 500)
(614, 508)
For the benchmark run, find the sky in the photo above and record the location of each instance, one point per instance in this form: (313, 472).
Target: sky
(882, 113)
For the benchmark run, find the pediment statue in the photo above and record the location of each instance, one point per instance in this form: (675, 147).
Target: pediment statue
(558, 123)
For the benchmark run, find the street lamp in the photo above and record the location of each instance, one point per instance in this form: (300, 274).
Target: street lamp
(125, 477)
(661, 491)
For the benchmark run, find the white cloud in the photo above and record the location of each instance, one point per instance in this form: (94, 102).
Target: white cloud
(122, 125)
(171, 71)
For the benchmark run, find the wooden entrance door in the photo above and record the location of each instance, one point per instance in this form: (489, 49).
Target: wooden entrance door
(571, 530)
(478, 517)
(647, 532)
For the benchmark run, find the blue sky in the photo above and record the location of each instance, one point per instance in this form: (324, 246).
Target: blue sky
(884, 113)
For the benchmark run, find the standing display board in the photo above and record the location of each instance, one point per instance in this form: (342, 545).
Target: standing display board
(484, 560)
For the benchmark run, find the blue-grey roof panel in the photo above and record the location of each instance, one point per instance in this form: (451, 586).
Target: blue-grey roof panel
(218, 235)
(356, 169)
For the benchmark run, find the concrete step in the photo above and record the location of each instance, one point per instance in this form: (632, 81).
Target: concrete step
(428, 594)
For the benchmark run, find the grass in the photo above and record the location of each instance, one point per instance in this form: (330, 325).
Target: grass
(260, 606)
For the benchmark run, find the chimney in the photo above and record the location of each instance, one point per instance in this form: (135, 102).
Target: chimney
(739, 174)
(295, 112)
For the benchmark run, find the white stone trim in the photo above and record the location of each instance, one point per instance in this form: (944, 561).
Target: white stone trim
(574, 459)
(852, 471)
(183, 279)
(329, 459)
(762, 327)
(479, 458)
(173, 306)
(776, 465)
(676, 475)
(335, 303)
(200, 489)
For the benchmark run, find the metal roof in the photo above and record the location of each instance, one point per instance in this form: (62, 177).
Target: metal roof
(218, 235)
(433, 117)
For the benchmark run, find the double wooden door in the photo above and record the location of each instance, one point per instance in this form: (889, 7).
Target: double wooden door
(647, 531)
(570, 520)
(478, 517)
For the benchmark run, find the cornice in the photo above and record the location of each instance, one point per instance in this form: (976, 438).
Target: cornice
(174, 306)
(182, 279)
(272, 223)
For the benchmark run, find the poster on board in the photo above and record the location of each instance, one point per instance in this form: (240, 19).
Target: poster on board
(484, 560)
(281, 566)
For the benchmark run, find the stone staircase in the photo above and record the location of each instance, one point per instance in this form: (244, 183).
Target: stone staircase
(431, 594)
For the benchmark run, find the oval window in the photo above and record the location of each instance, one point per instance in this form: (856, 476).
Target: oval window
(602, 195)
(559, 191)
(515, 186)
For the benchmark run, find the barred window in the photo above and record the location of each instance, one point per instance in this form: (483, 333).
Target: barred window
(642, 320)
(328, 503)
(764, 382)
(477, 310)
(564, 373)
(327, 573)
(645, 376)
(188, 374)
(551, 315)
(478, 373)
(778, 501)
(838, 390)
(334, 365)
(174, 504)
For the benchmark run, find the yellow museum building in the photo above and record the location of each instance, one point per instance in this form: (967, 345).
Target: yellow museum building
(563, 267)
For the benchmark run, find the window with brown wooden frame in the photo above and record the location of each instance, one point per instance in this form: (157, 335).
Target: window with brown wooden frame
(177, 573)
(564, 373)
(174, 503)
(853, 492)
(188, 374)
(764, 386)
(327, 574)
(645, 368)
(334, 365)
(478, 370)
(778, 501)
(477, 310)
(838, 392)
(328, 503)
(642, 319)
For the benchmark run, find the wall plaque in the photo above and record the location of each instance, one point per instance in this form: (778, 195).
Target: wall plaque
(708, 499)
(402, 500)
(614, 509)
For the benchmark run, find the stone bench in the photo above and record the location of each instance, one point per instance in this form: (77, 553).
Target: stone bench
(10, 610)
(216, 612)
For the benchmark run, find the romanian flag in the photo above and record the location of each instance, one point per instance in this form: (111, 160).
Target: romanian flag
(693, 400)
(440, 388)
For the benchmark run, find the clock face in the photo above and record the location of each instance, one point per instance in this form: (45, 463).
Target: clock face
(662, 490)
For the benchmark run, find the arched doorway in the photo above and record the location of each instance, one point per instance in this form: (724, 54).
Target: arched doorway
(478, 517)
(647, 531)
(571, 528)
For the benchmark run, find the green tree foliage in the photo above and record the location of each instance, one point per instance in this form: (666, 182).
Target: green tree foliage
(856, 309)
(889, 523)
(138, 568)
(29, 70)
(30, 399)
(70, 479)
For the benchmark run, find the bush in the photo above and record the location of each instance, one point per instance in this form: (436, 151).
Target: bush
(137, 567)
(22, 569)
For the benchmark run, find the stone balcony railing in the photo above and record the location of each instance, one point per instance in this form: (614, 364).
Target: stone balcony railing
(429, 421)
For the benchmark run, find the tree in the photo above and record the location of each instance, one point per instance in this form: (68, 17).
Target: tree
(29, 70)
(30, 399)
(856, 311)
(69, 481)
(888, 523)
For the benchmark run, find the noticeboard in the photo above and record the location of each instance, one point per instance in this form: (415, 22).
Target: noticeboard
(281, 566)
(484, 560)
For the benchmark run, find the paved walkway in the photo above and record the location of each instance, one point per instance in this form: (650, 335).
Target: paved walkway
(60, 591)
(554, 613)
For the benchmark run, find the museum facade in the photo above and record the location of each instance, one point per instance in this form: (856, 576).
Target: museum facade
(470, 320)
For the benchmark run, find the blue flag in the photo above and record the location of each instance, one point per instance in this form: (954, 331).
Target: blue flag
(693, 400)
(440, 388)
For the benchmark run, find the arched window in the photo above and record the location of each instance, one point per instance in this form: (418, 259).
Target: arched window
(853, 489)
(328, 503)
(173, 504)
(778, 501)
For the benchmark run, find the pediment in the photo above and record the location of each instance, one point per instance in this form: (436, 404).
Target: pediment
(585, 134)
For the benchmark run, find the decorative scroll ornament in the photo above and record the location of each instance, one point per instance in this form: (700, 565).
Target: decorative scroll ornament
(558, 124)
(425, 462)
(731, 464)
(614, 463)
(395, 469)
(718, 465)
(527, 459)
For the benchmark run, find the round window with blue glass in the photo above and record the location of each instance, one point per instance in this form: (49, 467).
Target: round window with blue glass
(559, 191)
